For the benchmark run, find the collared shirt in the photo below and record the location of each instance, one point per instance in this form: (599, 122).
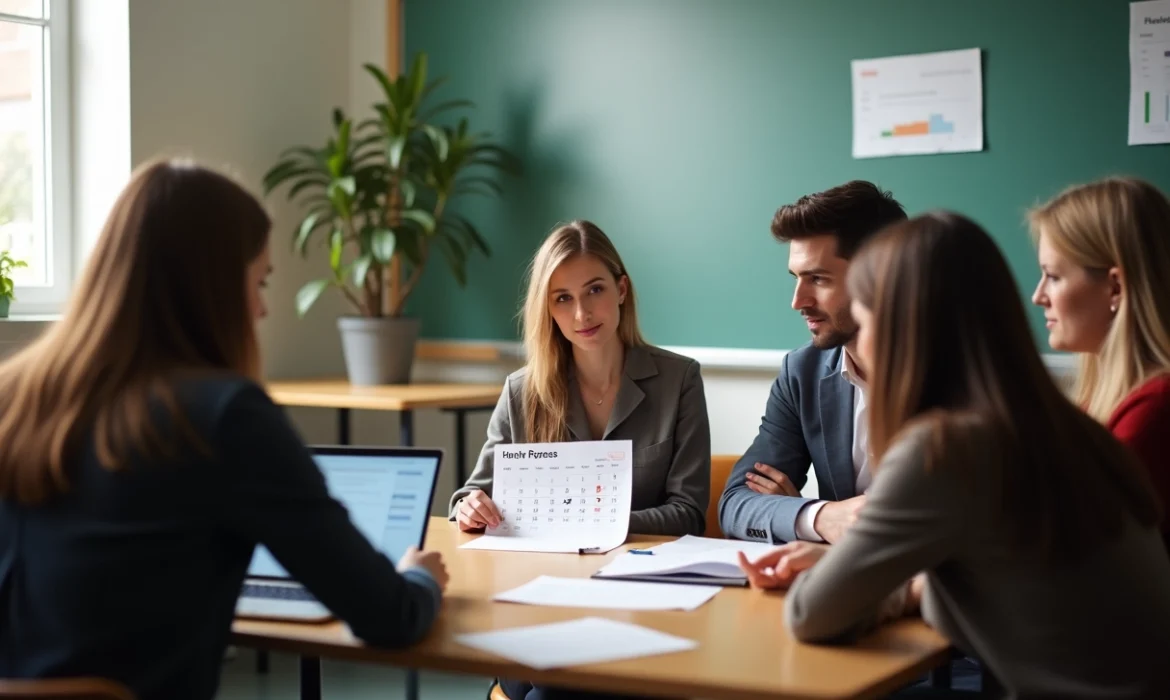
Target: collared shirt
(861, 475)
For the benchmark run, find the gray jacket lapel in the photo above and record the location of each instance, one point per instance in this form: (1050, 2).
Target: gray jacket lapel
(638, 365)
(836, 399)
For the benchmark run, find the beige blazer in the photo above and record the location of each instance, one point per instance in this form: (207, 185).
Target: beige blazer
(661, 407)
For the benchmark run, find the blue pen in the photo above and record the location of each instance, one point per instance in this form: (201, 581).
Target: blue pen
(640, 551)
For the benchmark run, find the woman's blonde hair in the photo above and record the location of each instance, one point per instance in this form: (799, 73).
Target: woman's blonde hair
(1124, 223)
(164, 291)
(549, 353)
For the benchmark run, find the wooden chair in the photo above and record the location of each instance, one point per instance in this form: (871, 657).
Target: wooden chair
(721, 466)
(64, 689)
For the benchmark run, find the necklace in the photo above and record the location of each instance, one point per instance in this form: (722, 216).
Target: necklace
(603, 394)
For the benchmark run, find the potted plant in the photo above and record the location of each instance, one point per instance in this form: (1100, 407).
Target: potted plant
(7, 286)
(377, 198)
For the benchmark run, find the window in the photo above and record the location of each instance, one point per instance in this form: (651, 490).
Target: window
(34, 150)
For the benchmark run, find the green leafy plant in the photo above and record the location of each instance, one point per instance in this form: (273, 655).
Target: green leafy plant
(7, 265)
(377, 196)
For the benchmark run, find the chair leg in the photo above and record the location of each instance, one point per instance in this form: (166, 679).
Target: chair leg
(261, 661)
(411, 684)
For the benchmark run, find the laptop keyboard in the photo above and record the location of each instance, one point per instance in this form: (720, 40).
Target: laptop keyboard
(260, 590)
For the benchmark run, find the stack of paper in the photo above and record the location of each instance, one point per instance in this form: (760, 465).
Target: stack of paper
(696, 560)
(617, 595)
(576, 642)
(689, 544)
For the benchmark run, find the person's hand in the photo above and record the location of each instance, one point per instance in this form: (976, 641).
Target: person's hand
(779, 567)
(835, 517)
(770, 481)
(431, 561)
(477, 511)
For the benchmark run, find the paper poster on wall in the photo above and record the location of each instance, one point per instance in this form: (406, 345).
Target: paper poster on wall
(1149, 72)
(918, 104)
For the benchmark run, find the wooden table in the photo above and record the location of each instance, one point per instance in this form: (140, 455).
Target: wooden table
(744, 651)
(459, 399)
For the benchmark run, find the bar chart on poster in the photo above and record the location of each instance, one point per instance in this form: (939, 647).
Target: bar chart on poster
(918, 104)
(1149, 64)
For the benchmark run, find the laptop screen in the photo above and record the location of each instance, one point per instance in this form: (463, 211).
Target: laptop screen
(386, 491)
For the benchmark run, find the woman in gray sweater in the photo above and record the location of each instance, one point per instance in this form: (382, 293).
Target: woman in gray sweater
(1034, 531)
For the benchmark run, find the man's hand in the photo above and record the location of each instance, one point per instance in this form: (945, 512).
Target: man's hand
(835, 517)
(770, 481)
(779, 567)
(477, 511)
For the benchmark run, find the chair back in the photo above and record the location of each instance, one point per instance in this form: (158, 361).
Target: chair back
(64, 689)
(721, 466)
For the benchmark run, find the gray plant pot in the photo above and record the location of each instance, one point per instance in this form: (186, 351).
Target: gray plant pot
(378, 350)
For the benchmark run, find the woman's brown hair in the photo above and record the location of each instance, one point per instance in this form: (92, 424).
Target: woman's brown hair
(163, 293)
(952, 349)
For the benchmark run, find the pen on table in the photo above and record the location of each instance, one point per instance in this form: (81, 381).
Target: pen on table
(641, 551)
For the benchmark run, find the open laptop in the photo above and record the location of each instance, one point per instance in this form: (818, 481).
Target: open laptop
(387, 492)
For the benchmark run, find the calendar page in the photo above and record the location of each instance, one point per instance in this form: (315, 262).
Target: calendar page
(561, 497)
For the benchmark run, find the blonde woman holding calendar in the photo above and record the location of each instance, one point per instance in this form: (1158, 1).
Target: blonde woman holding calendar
(591, 376)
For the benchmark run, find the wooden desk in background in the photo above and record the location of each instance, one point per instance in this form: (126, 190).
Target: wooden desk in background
(744, 651)
(459, 399)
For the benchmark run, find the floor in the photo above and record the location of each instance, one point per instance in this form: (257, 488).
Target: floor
(340, 681)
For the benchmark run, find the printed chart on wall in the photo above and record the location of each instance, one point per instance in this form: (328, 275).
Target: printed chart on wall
(561, 497)
(918, 104)
(1149, 72)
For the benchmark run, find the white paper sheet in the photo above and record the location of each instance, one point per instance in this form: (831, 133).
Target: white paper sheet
(918, 104)
(723, 563)
(1149, 72)
(561, 497)
(576, 642)
(616, 595)
(690, 544)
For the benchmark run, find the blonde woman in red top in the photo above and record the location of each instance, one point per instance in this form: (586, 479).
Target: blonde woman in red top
(1104, 254)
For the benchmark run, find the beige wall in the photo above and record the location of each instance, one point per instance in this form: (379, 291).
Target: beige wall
(232, 84)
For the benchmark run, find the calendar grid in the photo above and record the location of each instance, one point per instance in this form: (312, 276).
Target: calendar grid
(569, 496)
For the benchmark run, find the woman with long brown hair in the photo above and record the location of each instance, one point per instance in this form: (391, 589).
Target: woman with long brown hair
(141, 462)
(1036, 531)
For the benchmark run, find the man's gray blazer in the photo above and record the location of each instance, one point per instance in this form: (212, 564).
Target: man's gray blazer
(809, 419)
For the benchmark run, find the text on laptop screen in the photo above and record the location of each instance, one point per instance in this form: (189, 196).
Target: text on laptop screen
(387, 496)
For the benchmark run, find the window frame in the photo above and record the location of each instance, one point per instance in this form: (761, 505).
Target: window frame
(58, 154)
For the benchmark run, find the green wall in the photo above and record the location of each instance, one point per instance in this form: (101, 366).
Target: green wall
(679, 126)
